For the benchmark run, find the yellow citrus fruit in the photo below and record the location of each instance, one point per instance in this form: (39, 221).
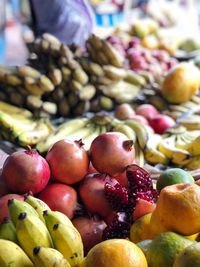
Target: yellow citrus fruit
(177, 210)
(164, 248)
(115, 253)
(140, 229)
(188, 257)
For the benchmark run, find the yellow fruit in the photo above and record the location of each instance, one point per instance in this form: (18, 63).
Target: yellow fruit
(140, 229)
(177, 209)
(181, 83)
(115, 253)
(164, 248)
(188, 257)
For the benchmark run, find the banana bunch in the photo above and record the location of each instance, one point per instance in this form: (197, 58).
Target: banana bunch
(37, 236)
(18, 125)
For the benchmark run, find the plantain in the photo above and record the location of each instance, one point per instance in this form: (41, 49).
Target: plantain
(55, 75)
(87, 92)
(80, 76)
(25, 71)
(31, 85)
(45, 84)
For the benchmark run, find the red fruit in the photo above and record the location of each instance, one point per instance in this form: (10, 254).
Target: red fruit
(93, 195)
(146, 110)
(111, 152)
(68, 161)
(143, 207)
(139, 119)
(4, 204)
(122, 179)
(60, 197)
(91, 230)
(160, 123)
(25, 171)
(124, 111)
(3, 188)
(92, 169)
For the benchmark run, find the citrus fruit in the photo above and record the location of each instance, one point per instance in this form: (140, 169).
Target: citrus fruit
(144, 245)
(173, 176)
(115, 253)
(140, 229)
(188, 257)
(177, 210)
(164, 248)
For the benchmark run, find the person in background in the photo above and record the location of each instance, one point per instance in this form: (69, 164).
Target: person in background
(72, 21)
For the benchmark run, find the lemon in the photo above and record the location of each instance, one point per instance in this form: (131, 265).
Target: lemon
(140, 229)
(173, 176)
(115, 253)
(188, 257)
(164, 249)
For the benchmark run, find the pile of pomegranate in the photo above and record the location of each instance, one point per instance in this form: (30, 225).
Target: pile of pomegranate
(101, 190)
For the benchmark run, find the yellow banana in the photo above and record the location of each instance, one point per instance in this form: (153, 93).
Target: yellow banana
(13, 80)
(61, 132)
(45, 84)
(192, 146)
(8, 231)
(39, 205)
(87, 140)
(16, 207)
(141, 132)
(55, 217)
(32, 232)
(25, 71)
(12, 255)
(55, 76)
(192, 122)
(193, 163)
(48, 257)
(81, 133)
(126, 130)
(139, 155)
(31, 85)
(14, 111)
(67, 240)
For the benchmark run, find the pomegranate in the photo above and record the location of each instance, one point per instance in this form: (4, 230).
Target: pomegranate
(124, 111)
(111, 152)
(60, 197)
(160, 123)
(68, 160)
(3, 188)
(92, 194)
(4, 204)
(146, 110)
(91, 230)
(25, 171)
(122, 179)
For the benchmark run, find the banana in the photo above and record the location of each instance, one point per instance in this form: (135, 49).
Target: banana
(80, 76)
(134, 78)
(55, 76)
(16, 207)
(55, 217)
(192, 122)
(114, 73)
(178, 156)
(61, 132)
(48, 257)
(32, 232)
(45, 84)
(8, 231)
(139, 155)
(67, 240)
(31, 85)
(14, 111)
(126, 130)
(87, 140)
(81, 133)
(51, 39)
(193, 163)
(13, 80)
(11, 255)
(87, 92)
(24, 71)
(105, 103)
(39, 205)
(193, 147)
(141, 132)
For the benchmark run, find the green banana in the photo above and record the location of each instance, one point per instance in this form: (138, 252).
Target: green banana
(39, 205)
(32, 232)
(11, 255)
(48, 257)
(61, 132)
(16, 207)
(67, 240)
(55, 217)
(8, 231)
(126, 130)
(140, 130)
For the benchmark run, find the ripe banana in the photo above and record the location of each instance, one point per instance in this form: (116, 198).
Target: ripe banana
(192, 122)
(32, 232)
(192, 146)
(141, 132)
(14, 111)
(25, 71)
(87, 140)
(48, 257)
(61, 132)
(39, 205)
(81, 133)
(12, 255)
(55, 217)
(126, 130)
(16, 207)
(139, 155)
(8, 231)
(193, 163)
(67, 240)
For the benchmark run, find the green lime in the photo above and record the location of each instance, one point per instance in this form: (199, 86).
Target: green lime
(173, 176)
(165, 247)
(144, 245)
(188, 257)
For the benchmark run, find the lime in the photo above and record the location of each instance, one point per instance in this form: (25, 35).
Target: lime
(188, 257)
(144, 245)
(173, 176)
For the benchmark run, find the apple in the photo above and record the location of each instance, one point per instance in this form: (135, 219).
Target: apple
(124, 111)
(60, 197)
(160, 123)
(146, 110)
